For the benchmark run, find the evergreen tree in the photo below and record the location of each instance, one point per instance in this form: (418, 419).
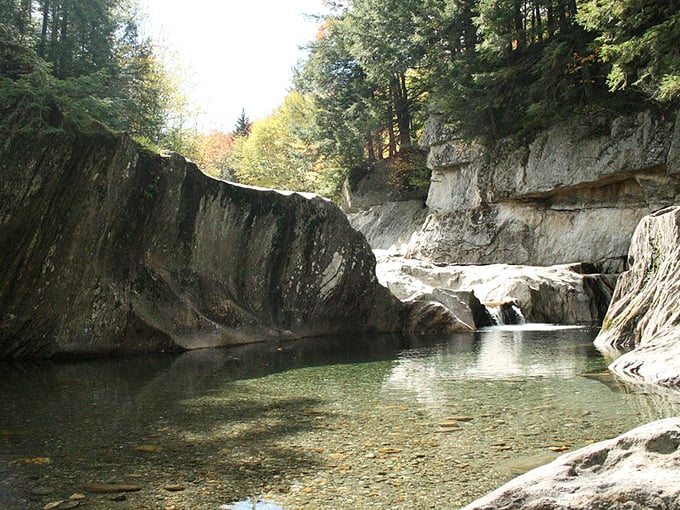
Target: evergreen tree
(243, 125)
(85, 56)
(640, 40)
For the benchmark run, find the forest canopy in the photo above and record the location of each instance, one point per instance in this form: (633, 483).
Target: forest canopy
(85, 57)
(490, 67)
(375, 72)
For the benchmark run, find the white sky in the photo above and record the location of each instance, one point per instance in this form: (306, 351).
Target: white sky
(239, 53)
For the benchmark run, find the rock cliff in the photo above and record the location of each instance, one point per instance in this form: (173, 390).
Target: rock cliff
(571, 193)
(568, 197)
(645, 308)
(108, 248)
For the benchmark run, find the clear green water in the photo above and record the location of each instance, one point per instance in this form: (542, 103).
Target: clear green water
(325, 423)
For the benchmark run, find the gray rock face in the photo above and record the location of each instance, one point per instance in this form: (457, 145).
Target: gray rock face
(566, 294)
(637, 470)
(390, 225)
(645, 308)
(107, 248)
(573, 193)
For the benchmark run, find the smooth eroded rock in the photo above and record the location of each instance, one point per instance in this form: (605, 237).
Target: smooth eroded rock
(645, 308)
(564, 294)
(637, 470)
(108, 248)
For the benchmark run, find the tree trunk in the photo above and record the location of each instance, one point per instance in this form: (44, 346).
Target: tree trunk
(45, 23)
(54, 36)
(551, 19)
(370, 150)
(402, 111)
(538, 26)
(470, 30)
(392, 139)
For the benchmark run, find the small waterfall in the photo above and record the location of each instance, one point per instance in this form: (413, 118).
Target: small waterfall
(495, 315)
(505, 313)
(513, 314)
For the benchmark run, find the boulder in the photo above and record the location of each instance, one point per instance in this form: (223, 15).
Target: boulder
(645, 310)
(426, 313)
(563, 294)
(107, 248)
(637, 470)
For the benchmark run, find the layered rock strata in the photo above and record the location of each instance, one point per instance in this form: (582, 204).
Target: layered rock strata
(645, 308)
(571, 193)
(107, 248)
(637, 470)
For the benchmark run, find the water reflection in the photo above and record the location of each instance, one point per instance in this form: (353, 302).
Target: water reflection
(548, 359)
(233, 417)
(495, 353)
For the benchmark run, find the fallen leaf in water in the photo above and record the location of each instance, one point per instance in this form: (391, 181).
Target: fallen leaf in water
(148, 448)
(105, 488)
(174, 488)
(39, 461)
(448, 424)
(53, 505)
(446, 430)
(461, 418)
(68, 505)
(390, 450)
(337, 455)
(42, 491)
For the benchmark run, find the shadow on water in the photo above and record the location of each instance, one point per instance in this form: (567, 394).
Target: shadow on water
(223, 425)
(165, 418)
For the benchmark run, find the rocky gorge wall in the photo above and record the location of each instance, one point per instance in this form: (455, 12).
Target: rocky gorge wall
(109, 248)
(645, 311)
(571, 193)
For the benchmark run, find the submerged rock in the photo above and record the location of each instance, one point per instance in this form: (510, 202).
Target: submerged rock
(637, 470)
(645, 308)
(107, 248)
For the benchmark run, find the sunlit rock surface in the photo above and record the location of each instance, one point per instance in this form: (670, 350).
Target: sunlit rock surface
(107, 248)
(565, 294)
(571, 193)
(645, 309)
(637, 470)
(390, 225)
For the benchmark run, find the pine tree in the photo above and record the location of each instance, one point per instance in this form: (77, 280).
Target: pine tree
(243, 125)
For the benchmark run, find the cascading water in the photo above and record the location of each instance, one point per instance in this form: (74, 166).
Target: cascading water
(505, 313)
